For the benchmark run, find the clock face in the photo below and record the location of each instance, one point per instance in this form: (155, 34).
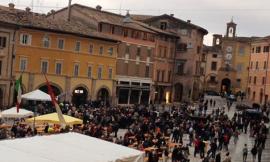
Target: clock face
(229, 49)
(228, 56)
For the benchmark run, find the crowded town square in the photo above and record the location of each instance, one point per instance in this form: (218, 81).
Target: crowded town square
(208, 130)
(134, 81)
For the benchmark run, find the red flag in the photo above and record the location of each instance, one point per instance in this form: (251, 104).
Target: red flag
(58, 110)
(50, 91)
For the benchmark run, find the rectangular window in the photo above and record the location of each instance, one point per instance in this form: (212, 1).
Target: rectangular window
(61, 43)
(139, 51)
(110, 71)
(214, 55)
(251, 65)
(127, 49)
(162, 75)
(110, 51)
(76, 70)
(44, 67)
(89, 72)
(101, 50)
(241, 51)
(58, 68)
(163, 25)
(3, 42)
(147, 71)
(165, 52)
(239, 67)
(264, 65)
(266, 49)
(158, 75)
(77, 46)
(250, 78)
(214, 66)
(255, 80)
(212, 79)
(198, 49)
(0, 67)
(25, 39)
(181, 47)
(46, 41)
(257, 65)
(99, 72)
(149, 52)
(252, 50)
(180, 66)
(91, 49)
(23, 64)
(258, 49)
(263, 80)
(169, 76)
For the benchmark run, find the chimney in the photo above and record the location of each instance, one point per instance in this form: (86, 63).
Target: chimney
(69, 10)
(27, 9)
(98, 7)
(188, 21)
(11, 6)
(172, 15)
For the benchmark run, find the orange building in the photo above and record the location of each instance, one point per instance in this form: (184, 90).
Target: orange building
(259, 82)
(79, 63)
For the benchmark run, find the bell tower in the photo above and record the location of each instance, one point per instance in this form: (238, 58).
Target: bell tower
(217, 40)
(231, 29)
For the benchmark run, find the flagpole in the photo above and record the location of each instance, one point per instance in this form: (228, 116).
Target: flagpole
(55, 104)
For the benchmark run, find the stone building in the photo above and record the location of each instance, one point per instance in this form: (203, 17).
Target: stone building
(259, 83)
(136, 52)
(79, 62)
(233, 74)
(212, 58)
(187, 81)
(7, 53)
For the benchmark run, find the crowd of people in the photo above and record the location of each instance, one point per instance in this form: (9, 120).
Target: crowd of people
(163, 133)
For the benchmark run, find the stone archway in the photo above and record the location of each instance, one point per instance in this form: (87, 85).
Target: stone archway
(103, 95)
(56, 89)
(178, 92)
(225, 85)
(79, 95)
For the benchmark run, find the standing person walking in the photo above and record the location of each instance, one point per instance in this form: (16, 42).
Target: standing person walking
(245, 153)
(260, 150)
(254, 153)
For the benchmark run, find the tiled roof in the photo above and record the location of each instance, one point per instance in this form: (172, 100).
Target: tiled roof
(34, 20)
(175, 19)
(95, 16)
(141, 17)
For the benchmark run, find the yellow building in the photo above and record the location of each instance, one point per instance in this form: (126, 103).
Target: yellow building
(233, 74)
(79, 63)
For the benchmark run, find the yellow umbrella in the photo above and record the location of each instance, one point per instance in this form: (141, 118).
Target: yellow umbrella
(53, 119)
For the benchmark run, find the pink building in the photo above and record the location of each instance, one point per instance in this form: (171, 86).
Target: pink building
(259, 74)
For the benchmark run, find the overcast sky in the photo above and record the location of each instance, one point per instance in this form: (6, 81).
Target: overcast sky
(252, 16)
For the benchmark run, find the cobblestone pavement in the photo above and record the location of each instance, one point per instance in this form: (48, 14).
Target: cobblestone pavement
(234, 149)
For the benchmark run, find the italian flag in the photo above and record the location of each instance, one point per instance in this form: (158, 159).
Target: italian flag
(18, 88)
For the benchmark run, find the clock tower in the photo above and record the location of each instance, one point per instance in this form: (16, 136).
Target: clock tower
(231, 29)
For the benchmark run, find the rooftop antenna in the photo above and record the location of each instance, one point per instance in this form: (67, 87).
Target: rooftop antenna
(120, 8)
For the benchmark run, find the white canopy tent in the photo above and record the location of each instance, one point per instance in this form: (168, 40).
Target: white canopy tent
(12, 113)
(36, 95)
(68, 147)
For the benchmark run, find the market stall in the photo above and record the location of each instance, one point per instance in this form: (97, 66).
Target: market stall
(67, 147)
